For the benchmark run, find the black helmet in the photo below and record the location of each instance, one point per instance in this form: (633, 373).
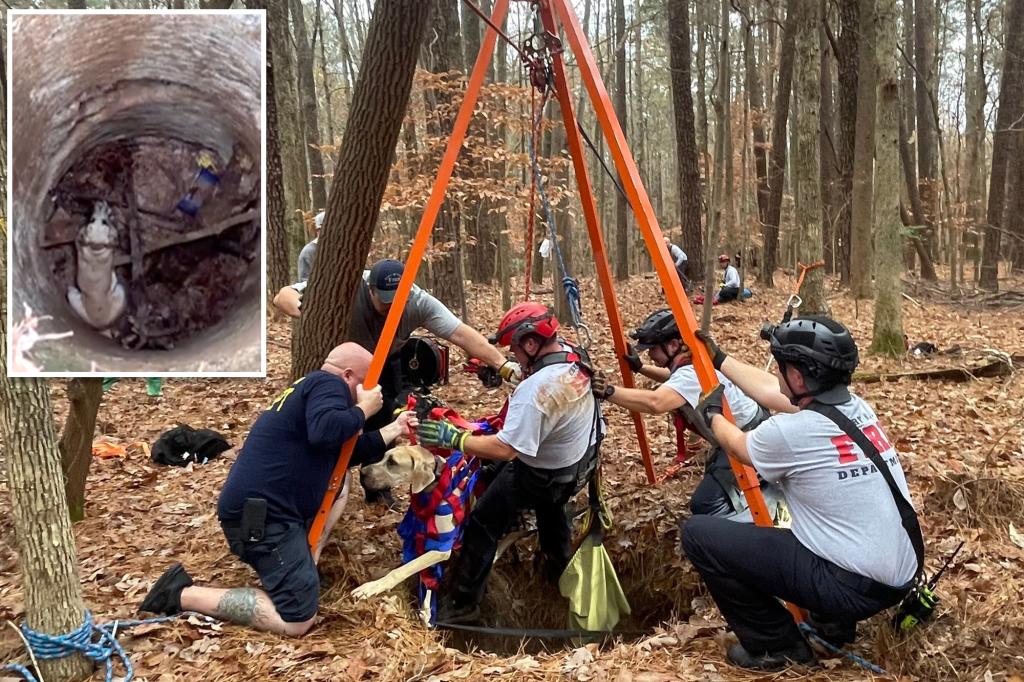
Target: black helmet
(821, 347)
(659, 327)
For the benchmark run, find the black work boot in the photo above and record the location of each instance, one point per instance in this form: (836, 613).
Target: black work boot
(773, 660)
(165, 595)
(835, 632)
(457, 611)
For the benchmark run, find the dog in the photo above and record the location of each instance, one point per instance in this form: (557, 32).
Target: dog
(442, 490)
(99, 298)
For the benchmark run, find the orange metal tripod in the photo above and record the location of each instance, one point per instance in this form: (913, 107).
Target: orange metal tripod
(555, 14)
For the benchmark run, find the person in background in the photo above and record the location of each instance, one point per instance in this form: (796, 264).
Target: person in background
(154, 385)
(730, 290)
(681, 262)
(308, 252)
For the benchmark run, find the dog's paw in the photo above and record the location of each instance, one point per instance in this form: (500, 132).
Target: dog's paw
(372, 589)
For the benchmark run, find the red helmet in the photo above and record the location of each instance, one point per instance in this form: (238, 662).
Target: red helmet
(525, 318)
(724, 258)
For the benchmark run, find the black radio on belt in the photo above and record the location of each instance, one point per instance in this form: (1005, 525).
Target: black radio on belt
(254, 519)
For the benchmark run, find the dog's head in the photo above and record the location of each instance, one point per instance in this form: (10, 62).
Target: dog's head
(410, 464)
(97, 237)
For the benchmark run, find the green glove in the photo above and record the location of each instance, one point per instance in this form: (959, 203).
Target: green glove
(441, 434)
(718, 356)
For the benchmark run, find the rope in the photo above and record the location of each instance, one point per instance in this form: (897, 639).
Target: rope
(96, 642)
(530, 219)
(600, 159)
(504, 36)
(864, 663)
(572, 291)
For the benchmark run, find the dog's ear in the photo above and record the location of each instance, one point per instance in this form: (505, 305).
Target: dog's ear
(422, 470)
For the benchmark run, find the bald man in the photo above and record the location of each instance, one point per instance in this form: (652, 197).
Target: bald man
(273, 491)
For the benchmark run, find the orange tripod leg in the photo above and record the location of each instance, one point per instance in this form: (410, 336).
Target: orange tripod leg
(652, 234)
(419, 247)
(604, 273)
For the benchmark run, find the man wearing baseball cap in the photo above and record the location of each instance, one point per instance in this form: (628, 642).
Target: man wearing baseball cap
(422, 311)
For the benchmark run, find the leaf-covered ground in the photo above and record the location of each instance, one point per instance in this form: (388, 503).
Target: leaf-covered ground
(960, 442)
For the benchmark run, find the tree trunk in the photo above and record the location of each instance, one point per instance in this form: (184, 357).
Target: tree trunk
(289, 133)
(307, 94)
(349, 70)
(621, 224)
(849, 69)
(755, 99)
(887, 337)
(826, 136)
(442, 53)
(927, 135)
(974, 101)
(806, 157)
(777, 168)
(860, 247)
(687, 168)
(277, 232)
(325, 77)
(1013, 216)
(75, 445)
(379, 104)
(1008, 126)
(42, 525)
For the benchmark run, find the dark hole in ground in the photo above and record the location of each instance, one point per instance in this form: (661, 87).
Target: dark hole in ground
(658, 583)
(181, 274)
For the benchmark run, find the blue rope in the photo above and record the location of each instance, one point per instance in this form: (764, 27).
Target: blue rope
(864, 663)
(97, 642)
(572, 290)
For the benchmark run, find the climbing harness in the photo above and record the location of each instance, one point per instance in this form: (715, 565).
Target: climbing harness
(96, 642)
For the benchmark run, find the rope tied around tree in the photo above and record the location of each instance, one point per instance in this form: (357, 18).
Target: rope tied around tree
(96, 642)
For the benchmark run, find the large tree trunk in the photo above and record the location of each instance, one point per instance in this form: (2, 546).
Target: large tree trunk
(863, 158)
(42, 526)
(379, 103)
(927, 135)
(307, 94)
(621, 223)
(806, 157)
(278, 266)
(687, 168)
(829, 208)
(847, 55)
(777, 167)
(888, 325)
(441, 54)
(289, 137)
(1008, 126)
(76, 441)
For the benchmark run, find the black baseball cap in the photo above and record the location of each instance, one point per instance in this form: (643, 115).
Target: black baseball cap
(384, 278)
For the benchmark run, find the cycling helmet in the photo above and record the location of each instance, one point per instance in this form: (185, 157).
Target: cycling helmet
(659, 327)
(822, 349)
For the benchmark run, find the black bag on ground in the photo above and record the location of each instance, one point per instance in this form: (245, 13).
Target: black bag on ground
(183, 444)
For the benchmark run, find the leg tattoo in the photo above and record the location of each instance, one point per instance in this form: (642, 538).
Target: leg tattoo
(240, 605)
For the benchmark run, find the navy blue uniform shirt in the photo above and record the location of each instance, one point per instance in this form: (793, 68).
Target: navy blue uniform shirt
(293, 447)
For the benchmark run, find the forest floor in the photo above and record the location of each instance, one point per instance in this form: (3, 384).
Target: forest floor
(961, 443)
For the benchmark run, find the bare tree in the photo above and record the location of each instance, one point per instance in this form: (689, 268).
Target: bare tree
(863, 157)
(621, 205)
(888, 325)
(1008, 126)
(687, 168)
(379, 102)
(806, 157)
(75, 445)
(310, 114)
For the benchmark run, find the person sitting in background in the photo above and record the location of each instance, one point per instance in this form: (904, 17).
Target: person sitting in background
(730, 290)
(681, 262)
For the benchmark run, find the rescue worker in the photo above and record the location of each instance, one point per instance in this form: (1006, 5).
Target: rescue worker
(680, 260)
(548, 445)
(422, 310)
(730, 289)
(273, 492)
(855, 546)
(718, 493)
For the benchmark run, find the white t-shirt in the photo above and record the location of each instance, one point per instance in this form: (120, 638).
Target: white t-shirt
(684, 382)
(842, 508)
(550, 419)
(731, 278)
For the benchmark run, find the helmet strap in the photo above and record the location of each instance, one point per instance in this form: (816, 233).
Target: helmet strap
(797, 397)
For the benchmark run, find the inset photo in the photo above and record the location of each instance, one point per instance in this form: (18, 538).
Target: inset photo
(136, 190)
